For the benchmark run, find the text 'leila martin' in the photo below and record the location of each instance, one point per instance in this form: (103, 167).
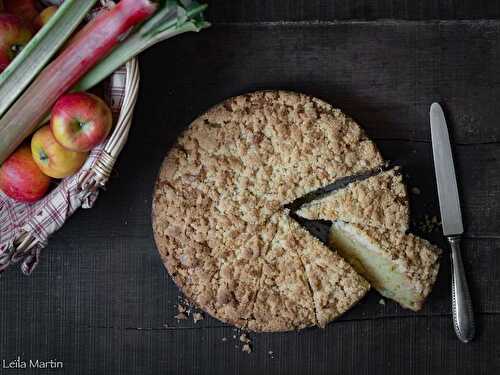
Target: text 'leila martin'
(19, 363)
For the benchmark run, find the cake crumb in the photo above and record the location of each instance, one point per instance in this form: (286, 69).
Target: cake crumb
(415, 190)
(381, 301)
(244, 338)
(270, 352)
(429, 224)
(197, 317)
(181, 316)
(246, 348)
(224, 339)
(181, 308)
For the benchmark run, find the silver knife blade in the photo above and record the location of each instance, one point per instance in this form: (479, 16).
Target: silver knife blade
(449, 202)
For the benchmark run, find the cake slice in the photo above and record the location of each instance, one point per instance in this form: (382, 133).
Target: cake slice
(334, 284)
(380, 201)
(402, 267)
(284, 300)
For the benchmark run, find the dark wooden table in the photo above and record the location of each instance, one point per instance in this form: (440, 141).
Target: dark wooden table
(101, 301)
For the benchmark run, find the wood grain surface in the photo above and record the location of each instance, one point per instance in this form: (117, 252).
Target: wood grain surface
(101, 301)
(328, 10)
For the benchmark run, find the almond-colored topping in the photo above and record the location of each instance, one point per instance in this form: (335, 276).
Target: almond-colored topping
(380, 201)
(335, 286)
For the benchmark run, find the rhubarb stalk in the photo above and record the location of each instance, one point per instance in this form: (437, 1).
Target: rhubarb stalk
(172, 19)
(86, 49)
(39, 51)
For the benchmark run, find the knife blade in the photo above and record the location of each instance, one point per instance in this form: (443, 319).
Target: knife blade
(451, 218)
(449, 201)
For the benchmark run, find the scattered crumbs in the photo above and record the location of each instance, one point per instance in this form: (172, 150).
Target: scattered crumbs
(197, 317)
(185, 309)
(429, 224)
(415, 190)
(270, 352)
(381, 301)
(244, 338)
(181, 316)
(165, 325)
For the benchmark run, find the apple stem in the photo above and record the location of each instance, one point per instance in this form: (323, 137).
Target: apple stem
(16, 48)
(43, 156)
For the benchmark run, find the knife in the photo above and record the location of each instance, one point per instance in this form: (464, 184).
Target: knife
(451, 218)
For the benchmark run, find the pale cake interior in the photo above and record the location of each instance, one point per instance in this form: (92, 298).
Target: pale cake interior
(378, 270)
(393, 278)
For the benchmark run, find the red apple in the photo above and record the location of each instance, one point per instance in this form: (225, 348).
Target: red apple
(44, 16)
(20, 177)
(14, 35)
(26, 9)
(52, 158)
(80, 121)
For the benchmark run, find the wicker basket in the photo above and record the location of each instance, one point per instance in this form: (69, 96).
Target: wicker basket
(25, 228)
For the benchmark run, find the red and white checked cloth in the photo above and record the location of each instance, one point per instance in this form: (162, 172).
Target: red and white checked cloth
(43, 218)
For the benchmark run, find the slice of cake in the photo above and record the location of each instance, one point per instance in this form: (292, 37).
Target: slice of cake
(335, 285)
(400, 266)
(380, 201)
(284, 300)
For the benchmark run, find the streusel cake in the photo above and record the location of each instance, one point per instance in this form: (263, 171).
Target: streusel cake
(218, 215)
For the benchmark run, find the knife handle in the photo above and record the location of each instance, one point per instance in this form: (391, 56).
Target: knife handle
(463, 316)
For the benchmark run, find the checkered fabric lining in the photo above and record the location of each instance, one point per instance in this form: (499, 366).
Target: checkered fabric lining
(43, 218)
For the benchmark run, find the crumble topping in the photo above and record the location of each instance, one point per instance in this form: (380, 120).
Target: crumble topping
(380, 201)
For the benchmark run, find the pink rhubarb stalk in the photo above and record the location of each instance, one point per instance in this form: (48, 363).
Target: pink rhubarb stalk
(90, 45)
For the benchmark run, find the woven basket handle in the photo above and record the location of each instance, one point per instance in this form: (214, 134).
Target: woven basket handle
(101, 170)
